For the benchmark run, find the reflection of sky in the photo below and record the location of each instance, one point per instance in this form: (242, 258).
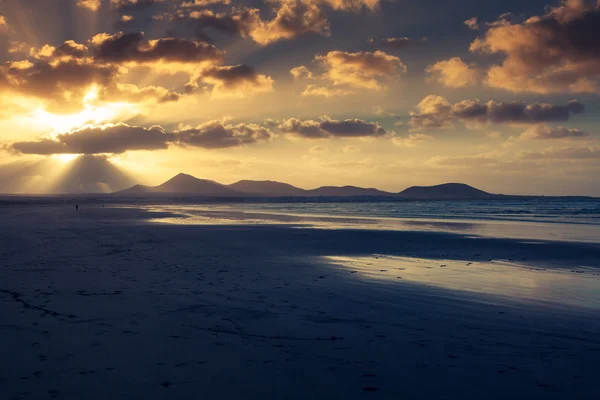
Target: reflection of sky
(225, 214)
(578, 288)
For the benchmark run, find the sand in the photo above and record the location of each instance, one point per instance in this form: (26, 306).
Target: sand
(106, 304)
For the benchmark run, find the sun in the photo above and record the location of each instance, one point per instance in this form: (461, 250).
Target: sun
(91, 113)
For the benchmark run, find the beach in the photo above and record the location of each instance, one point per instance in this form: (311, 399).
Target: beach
(156, 302)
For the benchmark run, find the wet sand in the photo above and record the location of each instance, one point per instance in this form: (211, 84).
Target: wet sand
(105, 303)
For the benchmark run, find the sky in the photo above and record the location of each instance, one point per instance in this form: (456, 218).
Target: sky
(96, 95)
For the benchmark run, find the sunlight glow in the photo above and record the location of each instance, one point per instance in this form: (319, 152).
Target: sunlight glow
(65, 158)
(90, 114)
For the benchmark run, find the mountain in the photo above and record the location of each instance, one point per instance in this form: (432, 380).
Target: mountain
(267, 188)
(346, 191)
(183, 184)
(447, 191)
(187, 185)
(278, 189)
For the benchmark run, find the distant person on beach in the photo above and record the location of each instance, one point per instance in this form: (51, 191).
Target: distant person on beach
(76, 207)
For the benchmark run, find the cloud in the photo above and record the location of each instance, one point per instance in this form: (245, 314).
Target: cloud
(92, 5)
(565, 153)
(18, 47)
(436, 112)
(133, 4)
(197, 4)
(292, 18)
(361, 69)
(236, 81)
(301, 72)
(412, 140)
(119, 138)
(350, 149)
(543, 131)
(490, 159)
(328, 128)
(555, 52)
(398, 42)
(3, 24)
(110, 138)
(454, 73)
(61, 76)
(315, 90)
(472, 23)
(62, 84)
(318, 149)
(217, 135)
(131, 47)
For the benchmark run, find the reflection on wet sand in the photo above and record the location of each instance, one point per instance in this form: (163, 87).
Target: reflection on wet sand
(578, 287)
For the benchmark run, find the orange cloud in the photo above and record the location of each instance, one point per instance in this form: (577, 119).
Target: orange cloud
(554, 52)
(361, 69)
(235, 81)
(322, 91)
(292, 18)
(454, 73)
(92, 5)
(3, 24)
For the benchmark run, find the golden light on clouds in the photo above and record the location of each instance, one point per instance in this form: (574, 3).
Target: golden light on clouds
(91, 113)
(269, 81)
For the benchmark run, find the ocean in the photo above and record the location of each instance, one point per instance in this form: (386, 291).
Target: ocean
(539, 219)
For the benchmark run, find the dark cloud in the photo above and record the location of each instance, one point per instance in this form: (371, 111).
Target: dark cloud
(217, 135)
(129, 5)
(62, 75)
(436, 112)
(398, 42)
(555, 52)
(99, 139)
(328, 128)
(119, 138)
(237, 81)
(201, 4)
(70, 49)
(131, 47)
(58, 82)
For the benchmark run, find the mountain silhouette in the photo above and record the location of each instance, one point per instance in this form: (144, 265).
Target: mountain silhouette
(267, 188)
(446, 191)
(346, 191)
(183, 184)
(187, 185)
